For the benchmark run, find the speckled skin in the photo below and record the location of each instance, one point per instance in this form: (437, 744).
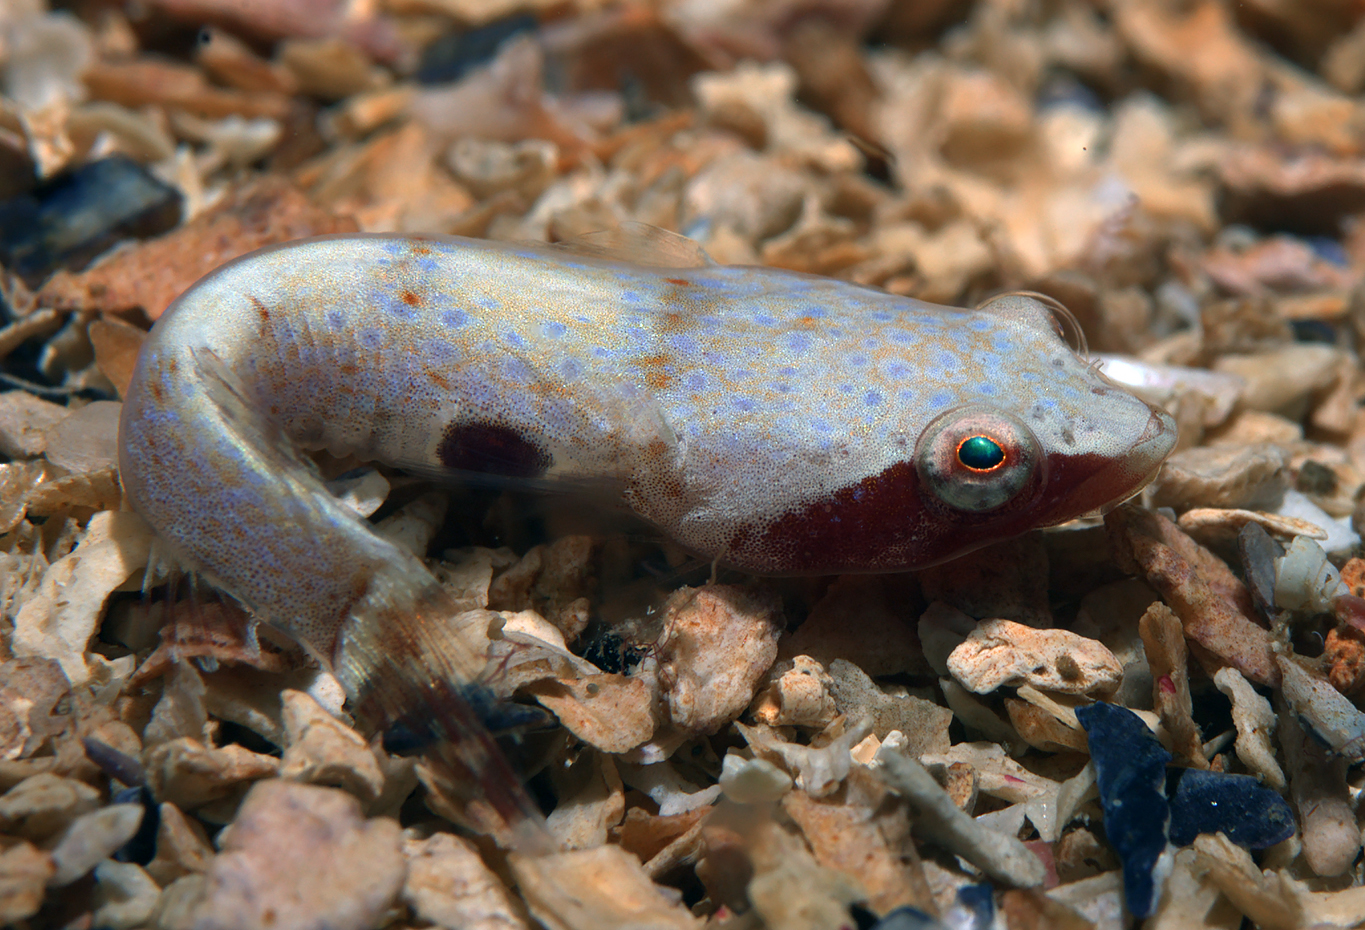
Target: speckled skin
(762, 417)
(770, 420)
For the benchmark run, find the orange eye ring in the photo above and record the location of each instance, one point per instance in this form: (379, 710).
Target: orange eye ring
(981, 453)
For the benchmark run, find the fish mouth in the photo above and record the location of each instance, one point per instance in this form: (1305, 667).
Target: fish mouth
(1157, 441)
(1094, 482)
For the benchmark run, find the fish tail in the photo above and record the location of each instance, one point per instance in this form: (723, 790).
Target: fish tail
(413, 669)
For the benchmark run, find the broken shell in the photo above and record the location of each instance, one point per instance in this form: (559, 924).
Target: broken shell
(819, 767)
(718, 643)
(24, 872)
(350, 876)
(125, 896)
(25, 421)
(798, 697)
(1305, 580)
(923, 723)
(1214, 526)
(1248, 477)
(1000, 652)
(752, 781)
(1324, 709)
(1255, 722)
(91, 839)
(1001, 856)
(449, 885)
(324, 751)
(43, 804)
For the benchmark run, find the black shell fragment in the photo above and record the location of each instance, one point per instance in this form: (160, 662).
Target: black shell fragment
(141, 847)
(907, 918)
(1239, 806)
(69, 220)
(451, 57)
(1130, 768)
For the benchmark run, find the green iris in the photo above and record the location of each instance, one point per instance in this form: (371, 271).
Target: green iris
(980, 453)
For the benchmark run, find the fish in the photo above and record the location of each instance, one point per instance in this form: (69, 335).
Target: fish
(775, 422)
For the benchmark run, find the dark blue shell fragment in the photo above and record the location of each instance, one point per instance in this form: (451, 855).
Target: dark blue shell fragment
(907, 918)
(69, 220)
(1250, 814)
(978, 901)
(453, 56)
(141, 848)
(1130, 768)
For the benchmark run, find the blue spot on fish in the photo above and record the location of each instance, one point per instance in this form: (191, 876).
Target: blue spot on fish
(682, 345)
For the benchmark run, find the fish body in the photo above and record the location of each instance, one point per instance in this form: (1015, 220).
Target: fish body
(778, 422)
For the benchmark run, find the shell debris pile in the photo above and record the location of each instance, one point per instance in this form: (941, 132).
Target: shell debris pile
(1151, 719)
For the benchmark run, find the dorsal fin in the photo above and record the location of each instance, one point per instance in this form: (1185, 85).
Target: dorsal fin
(640, 244)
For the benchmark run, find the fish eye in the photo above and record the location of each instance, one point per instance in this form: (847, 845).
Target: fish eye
(977, 458)
(980, 453)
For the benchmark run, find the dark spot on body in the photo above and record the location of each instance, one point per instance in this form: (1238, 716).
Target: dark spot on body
(438, 379)
(680, 282)
(409, 298)
(491, 449)
(261, 310)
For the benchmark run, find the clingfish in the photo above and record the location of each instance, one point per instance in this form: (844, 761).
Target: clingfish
(776, 422)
